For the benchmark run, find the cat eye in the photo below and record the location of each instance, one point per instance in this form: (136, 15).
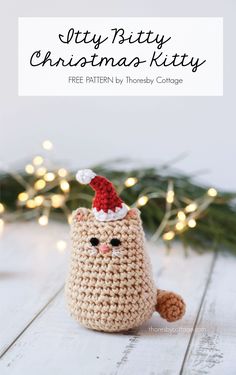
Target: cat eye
(94, 241)
(115, 242)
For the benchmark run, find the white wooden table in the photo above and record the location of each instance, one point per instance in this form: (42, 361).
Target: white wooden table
(37, 335)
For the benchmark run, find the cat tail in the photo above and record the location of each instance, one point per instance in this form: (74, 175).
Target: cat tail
(170, 306)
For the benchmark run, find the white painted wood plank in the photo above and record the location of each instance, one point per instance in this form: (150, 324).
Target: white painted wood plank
(213, 347)
(54, 342)
(31, 272)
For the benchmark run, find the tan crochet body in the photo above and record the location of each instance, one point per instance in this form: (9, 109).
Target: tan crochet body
(116, 291)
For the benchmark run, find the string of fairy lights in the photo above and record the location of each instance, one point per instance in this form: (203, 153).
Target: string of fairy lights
(175, 220)
(38, 200)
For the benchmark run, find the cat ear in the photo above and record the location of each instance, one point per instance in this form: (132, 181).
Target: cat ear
(133, 213)
(81, 214)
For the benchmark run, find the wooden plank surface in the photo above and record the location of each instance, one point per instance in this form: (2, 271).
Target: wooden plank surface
(32, 271)
(213, 346)
(51, 341)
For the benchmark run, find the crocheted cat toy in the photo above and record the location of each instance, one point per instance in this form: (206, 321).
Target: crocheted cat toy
(110, 285)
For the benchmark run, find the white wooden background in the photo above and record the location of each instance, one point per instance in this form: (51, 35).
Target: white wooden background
(37, 335)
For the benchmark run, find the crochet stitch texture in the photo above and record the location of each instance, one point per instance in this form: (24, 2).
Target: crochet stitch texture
(114, 291)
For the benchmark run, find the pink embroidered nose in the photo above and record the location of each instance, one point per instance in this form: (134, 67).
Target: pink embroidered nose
(104, 249)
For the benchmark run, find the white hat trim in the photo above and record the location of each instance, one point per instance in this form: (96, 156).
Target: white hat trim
(111, 215)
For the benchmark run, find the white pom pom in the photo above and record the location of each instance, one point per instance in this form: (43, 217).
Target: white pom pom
(85, 176)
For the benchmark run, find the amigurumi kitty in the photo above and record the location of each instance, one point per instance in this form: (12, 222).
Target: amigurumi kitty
(110, 285)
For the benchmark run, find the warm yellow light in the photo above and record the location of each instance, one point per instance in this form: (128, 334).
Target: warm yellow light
(131, 181)
(64, 185)
(38, 160)
(180, 225)
(29, 168)
(62, 172)
(31, 203)
(47, 145)
(69, 219)
(170, 196)
(49, 177)
(40, 184)
(39, 200)
(142, 200)
(2, 208)
(57, 200)
(61, 245)
(191, 207)
(43, 220)
(168, 236)
(212, 192)
(192, 223)
(41, 171)
(22, 197)
(181, 215)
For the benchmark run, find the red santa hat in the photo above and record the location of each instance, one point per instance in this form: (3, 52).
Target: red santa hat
(107, 205)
